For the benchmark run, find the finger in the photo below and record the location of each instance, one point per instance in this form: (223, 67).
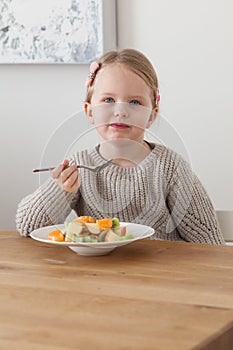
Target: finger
(65, 163)
(75, 177)
(56, 172)
(66, 173)
(72, 182)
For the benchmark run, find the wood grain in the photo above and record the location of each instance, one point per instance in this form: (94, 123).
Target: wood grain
(146, 295)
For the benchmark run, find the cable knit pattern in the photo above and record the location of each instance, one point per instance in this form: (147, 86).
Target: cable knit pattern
(161, 192)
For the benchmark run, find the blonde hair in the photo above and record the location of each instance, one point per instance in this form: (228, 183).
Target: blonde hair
(137, 63)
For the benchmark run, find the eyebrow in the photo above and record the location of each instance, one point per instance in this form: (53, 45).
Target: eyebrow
(128, 96)
(136, 96)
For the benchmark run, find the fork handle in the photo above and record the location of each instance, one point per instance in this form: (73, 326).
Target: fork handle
(49, 169)
(43, 169)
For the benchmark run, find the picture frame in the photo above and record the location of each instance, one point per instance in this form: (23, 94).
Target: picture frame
(56, 31)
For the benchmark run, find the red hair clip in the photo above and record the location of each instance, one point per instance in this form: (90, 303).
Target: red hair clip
(93, 69)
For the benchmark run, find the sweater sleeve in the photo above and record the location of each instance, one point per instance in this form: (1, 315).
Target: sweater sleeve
(48, 205)
(192, 212)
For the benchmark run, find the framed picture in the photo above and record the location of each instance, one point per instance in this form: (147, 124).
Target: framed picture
(56, 31)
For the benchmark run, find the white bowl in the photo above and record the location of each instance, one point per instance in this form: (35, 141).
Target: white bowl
(100, 248)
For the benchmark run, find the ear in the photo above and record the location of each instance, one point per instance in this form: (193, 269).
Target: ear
(88, 111)
(152, 118)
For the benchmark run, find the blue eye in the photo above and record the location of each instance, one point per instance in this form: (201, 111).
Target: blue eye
(134, 102)
(109, 100)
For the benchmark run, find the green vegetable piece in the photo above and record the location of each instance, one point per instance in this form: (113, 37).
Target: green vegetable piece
(115, 223)
(79, 239)
(87, 239)
(101, 236)
(70, 237)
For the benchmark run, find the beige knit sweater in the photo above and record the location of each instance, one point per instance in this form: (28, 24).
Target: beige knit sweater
(161, 192)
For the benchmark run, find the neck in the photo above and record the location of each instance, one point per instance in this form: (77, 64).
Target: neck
(124, 152)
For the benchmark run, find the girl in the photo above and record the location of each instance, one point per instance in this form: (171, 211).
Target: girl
(145, 183)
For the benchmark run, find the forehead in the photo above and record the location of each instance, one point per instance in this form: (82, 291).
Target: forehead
(120, 76)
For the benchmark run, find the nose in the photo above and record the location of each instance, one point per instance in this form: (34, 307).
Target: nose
(120, 110)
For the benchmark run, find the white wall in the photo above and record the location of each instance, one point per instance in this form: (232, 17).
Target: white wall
(34, 101)
(190, 44)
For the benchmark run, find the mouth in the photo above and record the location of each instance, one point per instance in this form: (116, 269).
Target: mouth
(119, 126)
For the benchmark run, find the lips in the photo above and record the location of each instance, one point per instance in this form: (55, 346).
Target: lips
(119, 125)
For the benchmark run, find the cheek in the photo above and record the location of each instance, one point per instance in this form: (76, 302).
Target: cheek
(102, 114)
(101, 129)
(139, 121)
(139, 117)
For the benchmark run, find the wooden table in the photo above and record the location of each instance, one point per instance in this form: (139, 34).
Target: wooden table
(146, 295)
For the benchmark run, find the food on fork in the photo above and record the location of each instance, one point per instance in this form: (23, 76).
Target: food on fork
(86, 229)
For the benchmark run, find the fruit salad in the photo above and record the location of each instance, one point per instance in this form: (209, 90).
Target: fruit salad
(86, 229)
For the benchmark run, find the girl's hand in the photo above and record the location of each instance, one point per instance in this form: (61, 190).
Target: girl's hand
(66, 176)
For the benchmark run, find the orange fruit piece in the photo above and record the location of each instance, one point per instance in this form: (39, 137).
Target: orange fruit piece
(84, 219)
(104, 223)
(56, 236)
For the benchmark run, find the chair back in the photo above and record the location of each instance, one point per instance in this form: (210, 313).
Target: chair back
(225, 220)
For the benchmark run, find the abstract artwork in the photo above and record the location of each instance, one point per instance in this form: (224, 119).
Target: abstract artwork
(54, 31)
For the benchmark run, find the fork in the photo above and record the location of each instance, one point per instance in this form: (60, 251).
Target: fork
(90, 168)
